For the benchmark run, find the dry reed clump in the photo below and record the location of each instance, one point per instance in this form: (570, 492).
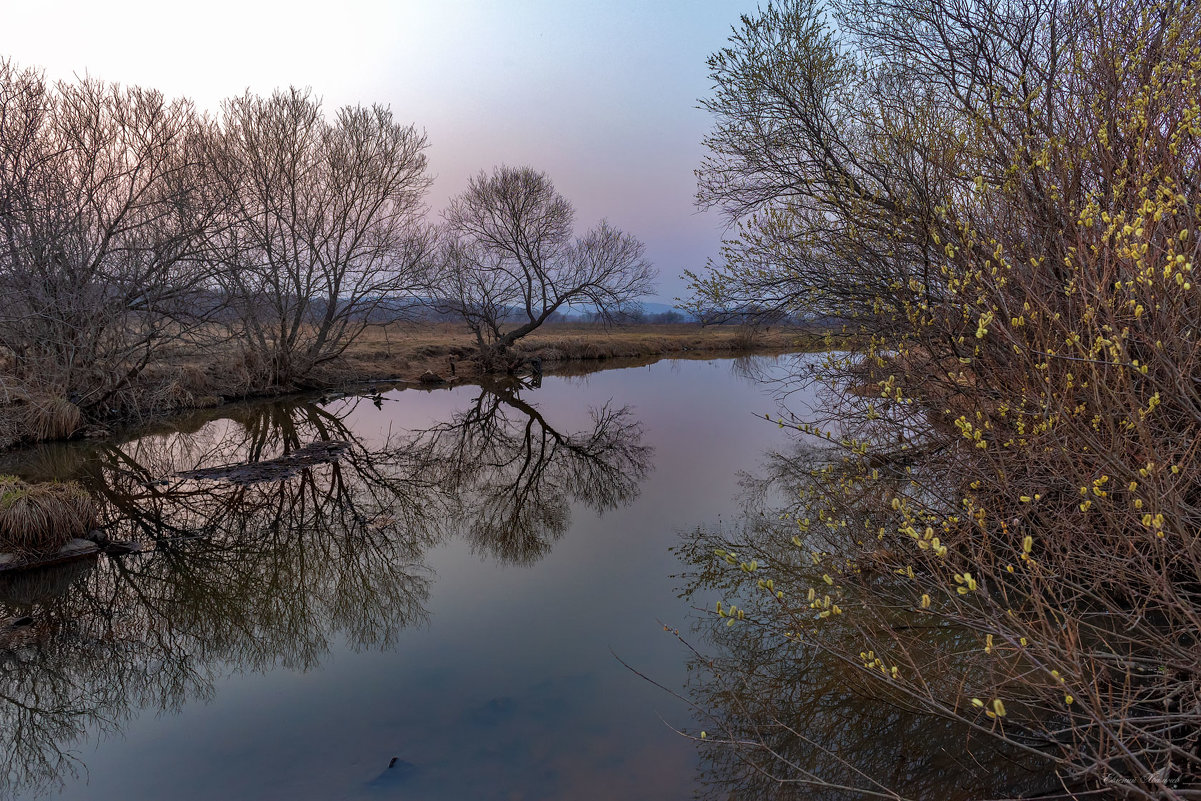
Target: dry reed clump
(183, 384)
(175, 396)
(50, 417)
(41, 518)
(551, 354)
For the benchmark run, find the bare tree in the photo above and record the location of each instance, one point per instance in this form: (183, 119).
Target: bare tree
(325, 233)
(508, 261)
(105, 208)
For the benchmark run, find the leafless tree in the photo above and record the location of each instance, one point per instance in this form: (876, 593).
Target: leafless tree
(105, 210)
(508, 260)
(325, 231)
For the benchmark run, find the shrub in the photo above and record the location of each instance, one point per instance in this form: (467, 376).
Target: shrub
(1004, 199)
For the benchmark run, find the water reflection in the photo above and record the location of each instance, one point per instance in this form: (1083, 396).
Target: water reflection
(512, 477)
(267, 565)
(792, 717)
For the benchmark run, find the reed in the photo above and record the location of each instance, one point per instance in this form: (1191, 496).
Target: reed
(52, 418)
(41, 518)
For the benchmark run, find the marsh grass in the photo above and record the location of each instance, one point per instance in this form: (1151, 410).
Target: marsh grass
(41, 518)
(52, 418)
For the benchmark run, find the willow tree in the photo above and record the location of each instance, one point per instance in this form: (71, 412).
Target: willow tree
(324, 230)
(106, 205)
(509, 259)
(1003, 198)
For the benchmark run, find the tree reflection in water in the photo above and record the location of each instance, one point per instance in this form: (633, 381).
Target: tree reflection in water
(792, 717)
(512, 478)
(270, 570)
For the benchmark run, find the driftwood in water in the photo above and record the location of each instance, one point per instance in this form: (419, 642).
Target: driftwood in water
(273, 469)
(72, 550)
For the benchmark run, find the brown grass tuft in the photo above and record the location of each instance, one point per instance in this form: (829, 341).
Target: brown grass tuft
(52, 418)
(41, 518)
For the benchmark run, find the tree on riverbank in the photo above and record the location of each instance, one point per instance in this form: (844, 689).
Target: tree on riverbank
(1004, 200)
(106, 205)
(509, 260)
(137, 236)
(325, 225)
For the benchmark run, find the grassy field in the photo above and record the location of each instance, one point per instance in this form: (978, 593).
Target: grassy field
(405, 352)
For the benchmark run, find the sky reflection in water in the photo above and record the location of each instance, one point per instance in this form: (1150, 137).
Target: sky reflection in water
(449, 594)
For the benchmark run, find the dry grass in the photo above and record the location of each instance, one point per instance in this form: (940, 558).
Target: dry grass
(28, 413)
(52, 417)
(41, 518)
(191, 379)
(406, 351)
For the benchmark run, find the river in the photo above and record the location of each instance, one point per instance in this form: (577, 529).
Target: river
(443, 611)
(470, 592)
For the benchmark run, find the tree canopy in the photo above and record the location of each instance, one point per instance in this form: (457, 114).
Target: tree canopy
(1001, 199)
(509, 259)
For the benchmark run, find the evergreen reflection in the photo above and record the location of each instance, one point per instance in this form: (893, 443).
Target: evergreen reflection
(273, 563)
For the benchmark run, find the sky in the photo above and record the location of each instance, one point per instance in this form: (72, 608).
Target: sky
(602, 96)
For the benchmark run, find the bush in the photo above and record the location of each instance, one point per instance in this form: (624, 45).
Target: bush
(1005, 200)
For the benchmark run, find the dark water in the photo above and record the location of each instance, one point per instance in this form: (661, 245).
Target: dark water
(448, 597)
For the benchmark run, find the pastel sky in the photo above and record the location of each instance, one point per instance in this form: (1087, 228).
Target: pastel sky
(600, 95)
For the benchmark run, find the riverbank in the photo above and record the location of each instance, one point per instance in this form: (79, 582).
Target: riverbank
(399, 353)
(406, 353)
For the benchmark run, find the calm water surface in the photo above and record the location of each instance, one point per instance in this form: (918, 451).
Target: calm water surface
(447, 597)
